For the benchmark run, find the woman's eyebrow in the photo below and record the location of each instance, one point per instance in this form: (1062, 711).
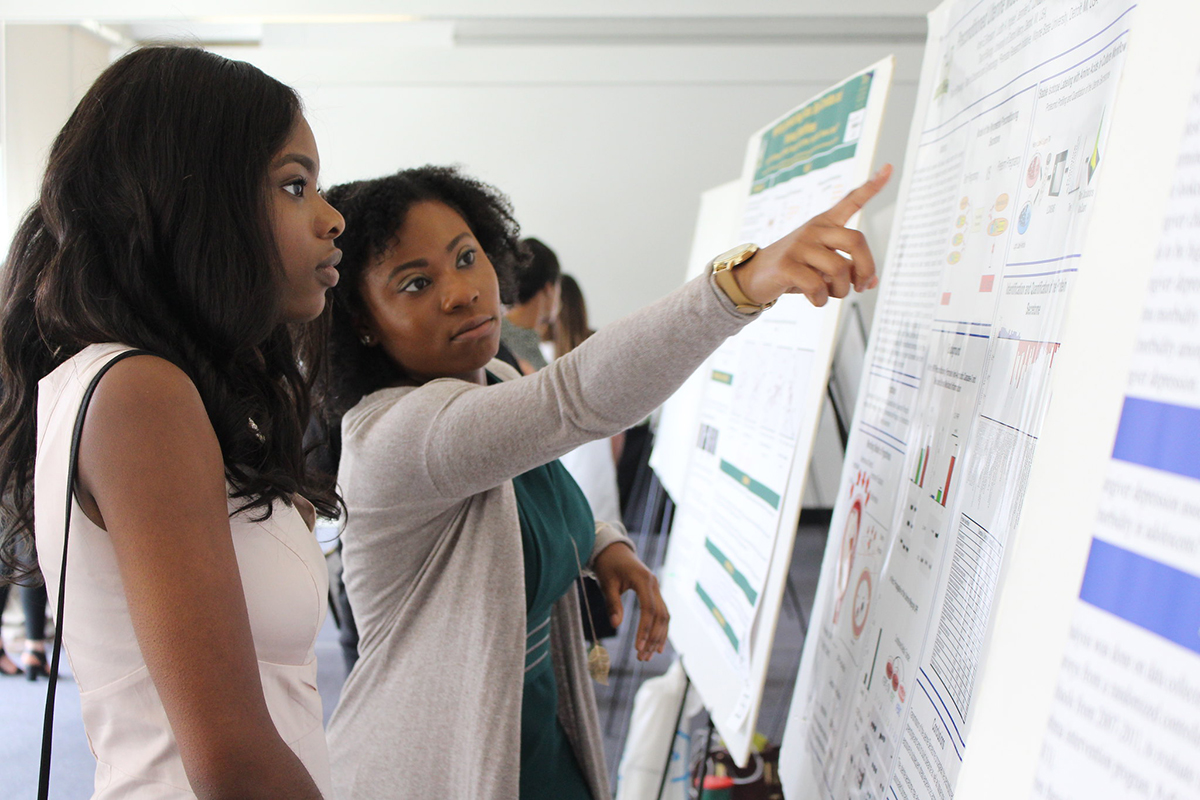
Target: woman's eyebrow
(416, 263)
(296, 158)
(421, 263)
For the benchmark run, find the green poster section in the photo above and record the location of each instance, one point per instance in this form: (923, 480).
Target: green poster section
(813, 137)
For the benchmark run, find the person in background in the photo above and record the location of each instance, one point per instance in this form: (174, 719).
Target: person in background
(323, 451)
(179, 214)
(594, 464)
(33, 657)
(535, 309)
(464, 535)
(570, 327)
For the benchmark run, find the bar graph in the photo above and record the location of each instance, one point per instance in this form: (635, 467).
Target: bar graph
(926, 455)
(943, 493)
(922, 467)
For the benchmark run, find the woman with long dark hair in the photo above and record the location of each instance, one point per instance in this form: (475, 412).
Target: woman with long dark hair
(464, 535)
(179, 214)
(571, 327)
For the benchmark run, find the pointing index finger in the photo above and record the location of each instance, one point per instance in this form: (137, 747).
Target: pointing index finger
(852, 203)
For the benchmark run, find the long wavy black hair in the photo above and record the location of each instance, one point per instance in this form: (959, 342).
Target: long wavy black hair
(375, 211)
(152, 229)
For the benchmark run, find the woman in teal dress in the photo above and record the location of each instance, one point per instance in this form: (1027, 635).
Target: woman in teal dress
(464, 534)
(556, 523)
(472, 680)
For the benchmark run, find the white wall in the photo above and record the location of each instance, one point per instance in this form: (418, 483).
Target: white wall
(604, 150)
(590, 9)
(47, 68)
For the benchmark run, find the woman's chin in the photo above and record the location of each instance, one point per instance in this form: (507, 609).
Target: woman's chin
(490, 352)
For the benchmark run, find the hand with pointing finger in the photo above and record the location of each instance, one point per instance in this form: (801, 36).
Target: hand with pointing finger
(820, 259)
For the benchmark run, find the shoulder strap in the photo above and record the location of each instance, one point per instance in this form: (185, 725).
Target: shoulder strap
(73, 464)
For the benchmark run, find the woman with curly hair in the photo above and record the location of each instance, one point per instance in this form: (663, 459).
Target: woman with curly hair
(178, 215)
(464, 535)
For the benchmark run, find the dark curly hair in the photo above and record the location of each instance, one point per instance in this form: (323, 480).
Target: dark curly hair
(152, 229)
(375, 211)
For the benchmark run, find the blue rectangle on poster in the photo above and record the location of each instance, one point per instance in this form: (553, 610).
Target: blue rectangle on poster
(1154, 596)
(1159, 435)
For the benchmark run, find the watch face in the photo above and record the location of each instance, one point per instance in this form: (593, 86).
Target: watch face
(731, 258)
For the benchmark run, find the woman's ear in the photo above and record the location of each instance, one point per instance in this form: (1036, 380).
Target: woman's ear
(365, 336)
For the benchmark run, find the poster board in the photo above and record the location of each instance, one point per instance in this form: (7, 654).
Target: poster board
(678, 419)
(732, 534)
(1007, 223)
(1092, 670)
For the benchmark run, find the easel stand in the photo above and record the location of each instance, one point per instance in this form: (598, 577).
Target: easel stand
(666, 770)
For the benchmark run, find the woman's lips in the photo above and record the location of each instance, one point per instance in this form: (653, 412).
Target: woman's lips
(327, 269)
(474, 328)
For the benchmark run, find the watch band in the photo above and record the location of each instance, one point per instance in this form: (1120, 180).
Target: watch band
(722, 268)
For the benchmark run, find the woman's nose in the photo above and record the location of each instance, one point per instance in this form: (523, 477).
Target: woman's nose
(330, 223)
(460, 291)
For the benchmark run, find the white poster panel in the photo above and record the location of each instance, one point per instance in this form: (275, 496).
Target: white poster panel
(1125, 717)
(678, 420)
(763, 390)
(1006, 157)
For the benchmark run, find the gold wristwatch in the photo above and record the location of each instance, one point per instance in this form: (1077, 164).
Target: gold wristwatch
(722, 268)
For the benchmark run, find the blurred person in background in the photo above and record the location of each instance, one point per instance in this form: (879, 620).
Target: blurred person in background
(33, 658)
(535, 310)
(593, 465)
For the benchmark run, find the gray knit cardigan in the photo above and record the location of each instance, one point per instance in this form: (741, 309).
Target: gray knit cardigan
(433, 558)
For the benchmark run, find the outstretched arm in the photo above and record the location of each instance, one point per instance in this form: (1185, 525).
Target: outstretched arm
(152, 475)
(451, 439)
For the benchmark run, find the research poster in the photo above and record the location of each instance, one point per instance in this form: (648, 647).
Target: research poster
(675, 432)
(1125, 720)
(1005, 159)
(760, 404)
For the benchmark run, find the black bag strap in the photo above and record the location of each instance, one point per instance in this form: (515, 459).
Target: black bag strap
(73, 465)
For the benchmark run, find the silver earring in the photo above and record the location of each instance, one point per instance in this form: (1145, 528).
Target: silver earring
(366, 340)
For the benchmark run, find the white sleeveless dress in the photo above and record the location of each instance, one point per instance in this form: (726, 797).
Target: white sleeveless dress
(286, 588)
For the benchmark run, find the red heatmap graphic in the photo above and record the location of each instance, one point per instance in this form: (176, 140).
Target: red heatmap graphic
(1027, 354)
